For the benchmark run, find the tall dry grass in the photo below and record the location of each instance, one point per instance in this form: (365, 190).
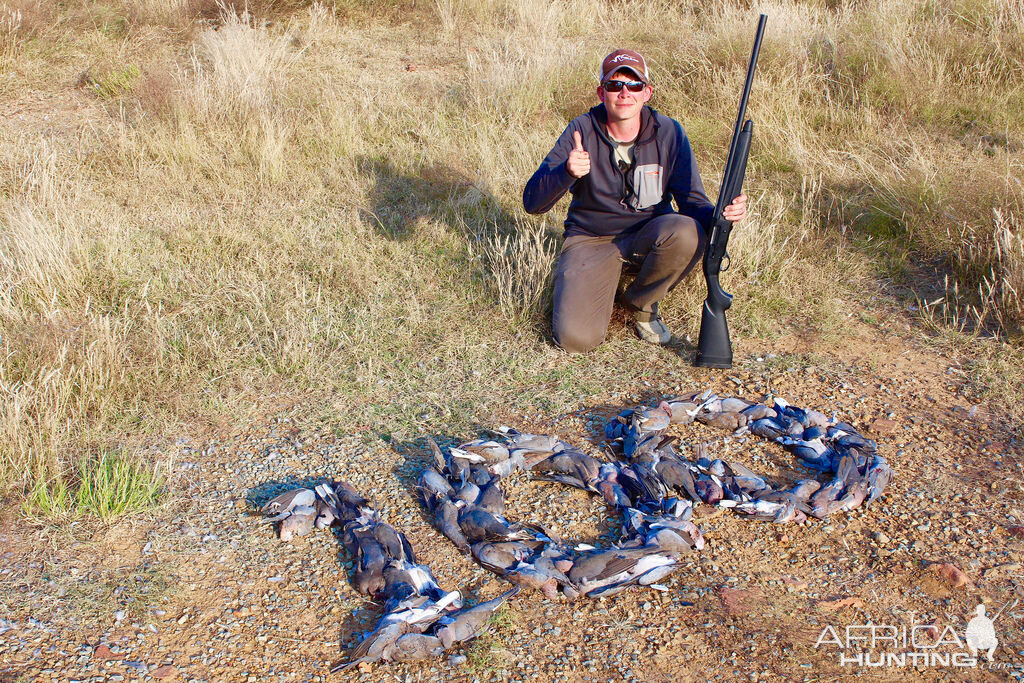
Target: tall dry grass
(296, 199)
(520, 265)
(10, 28)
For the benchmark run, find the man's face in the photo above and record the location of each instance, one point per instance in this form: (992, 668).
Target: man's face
(623, 105)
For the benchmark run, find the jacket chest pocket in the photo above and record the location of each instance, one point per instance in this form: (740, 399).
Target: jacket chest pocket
(646, 185)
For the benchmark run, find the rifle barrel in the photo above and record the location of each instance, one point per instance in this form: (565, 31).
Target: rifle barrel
(723, 200)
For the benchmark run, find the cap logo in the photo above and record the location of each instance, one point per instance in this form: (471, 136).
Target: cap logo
(621, 58)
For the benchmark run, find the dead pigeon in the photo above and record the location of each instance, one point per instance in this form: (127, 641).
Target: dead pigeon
(299, 522)
(446, 520)
(373, 647)
(525, 574)
(288, 500)
(470, 622)
(413, 647)
(492, 452)
(478, 524)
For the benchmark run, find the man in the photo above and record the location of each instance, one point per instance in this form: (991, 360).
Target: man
(624, 163)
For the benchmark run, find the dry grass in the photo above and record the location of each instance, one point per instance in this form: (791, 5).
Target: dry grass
(289, 198)
(521, 265)
(10, 28)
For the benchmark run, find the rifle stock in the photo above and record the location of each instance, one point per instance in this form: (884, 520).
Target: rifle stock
(714, 349)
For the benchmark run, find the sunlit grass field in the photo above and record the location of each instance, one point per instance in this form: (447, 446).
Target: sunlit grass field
(210, 211)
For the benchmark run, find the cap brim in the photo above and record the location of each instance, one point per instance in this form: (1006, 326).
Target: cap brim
(636, 73)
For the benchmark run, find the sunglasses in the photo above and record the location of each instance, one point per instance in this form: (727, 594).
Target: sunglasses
(631, 86)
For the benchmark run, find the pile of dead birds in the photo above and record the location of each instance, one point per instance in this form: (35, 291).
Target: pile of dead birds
(821, 444)
(652, 486)
(463, 494)
(421, 620)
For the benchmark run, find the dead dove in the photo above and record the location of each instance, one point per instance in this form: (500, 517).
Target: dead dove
(467, 456)
(446, 520)
(532, 442)
(491, 451)
(878, 475)
(525, 574)
(478, 524)
(807, 418)
(608, 486)
(471, 621)
(600, 564)
(395, 544)
(758, 411)
(649, 420)
(421, 611)
(326, 514)
(708, 491)
(682, 412)
(439, 460)
(735, 404)
(413, 647)
(347, 495)
(513, 463)
(288, 500)
(684, 528)
(433, 481)
(574, 464)
(368, 577)
(415, 575)
(495, 557)
(822, 500)
(855, 494)
(643, 565)
(492, 498)
(804, 488)
(468, 493)
(671, 541)
(299, 522)
(730, 421)
(678, 476)
(373, 647)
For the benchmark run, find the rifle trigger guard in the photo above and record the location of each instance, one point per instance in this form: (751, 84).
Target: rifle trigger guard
(726, 262)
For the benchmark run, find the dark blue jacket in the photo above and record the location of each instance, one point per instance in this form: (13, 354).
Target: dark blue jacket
(609, 202)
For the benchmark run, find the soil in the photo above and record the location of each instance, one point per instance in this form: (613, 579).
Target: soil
(201, 590)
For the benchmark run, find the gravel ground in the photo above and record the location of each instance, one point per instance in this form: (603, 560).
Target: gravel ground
(202, 591)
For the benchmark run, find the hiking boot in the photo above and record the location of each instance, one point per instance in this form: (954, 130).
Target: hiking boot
(650, 328)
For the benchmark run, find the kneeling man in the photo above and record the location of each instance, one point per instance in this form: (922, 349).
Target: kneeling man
(624, 163)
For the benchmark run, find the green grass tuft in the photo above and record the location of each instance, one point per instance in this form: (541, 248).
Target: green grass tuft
(107, 487)
(113, 485)
(50, 499)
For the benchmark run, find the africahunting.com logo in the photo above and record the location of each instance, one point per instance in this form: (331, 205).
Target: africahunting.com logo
(920, 645)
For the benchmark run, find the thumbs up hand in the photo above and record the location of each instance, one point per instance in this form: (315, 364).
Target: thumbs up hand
(578, 163)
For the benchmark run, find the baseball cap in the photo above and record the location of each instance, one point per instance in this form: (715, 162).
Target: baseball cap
(624, 59)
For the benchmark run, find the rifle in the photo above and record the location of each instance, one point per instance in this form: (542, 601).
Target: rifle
(714, 350)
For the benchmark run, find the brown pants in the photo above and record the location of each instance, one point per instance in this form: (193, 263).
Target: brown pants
(664, 250)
